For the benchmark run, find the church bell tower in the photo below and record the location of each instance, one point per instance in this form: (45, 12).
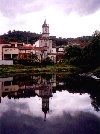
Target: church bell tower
(45, 30)
(45, 106)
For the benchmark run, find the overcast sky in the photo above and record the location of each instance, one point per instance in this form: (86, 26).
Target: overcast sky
(66, 18)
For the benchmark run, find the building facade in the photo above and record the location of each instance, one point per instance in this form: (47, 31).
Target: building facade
(44, 45)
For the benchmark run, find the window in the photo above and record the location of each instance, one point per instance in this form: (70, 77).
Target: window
(13, 45)
(6, 50)
(7, 83)
(45, 29)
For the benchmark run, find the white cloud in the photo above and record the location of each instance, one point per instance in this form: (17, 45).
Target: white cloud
(64, 17)
(3, 24)
(64, 102)
(60, 103)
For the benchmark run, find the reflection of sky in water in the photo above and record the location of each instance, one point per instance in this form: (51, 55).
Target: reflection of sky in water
(59, 103)
(68, 102)
(67, 113)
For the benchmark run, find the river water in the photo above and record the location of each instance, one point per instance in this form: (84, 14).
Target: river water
(49, 104)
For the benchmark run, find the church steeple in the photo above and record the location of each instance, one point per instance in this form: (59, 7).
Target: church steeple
(45, 21)
(44, 24)
(45, 106)
(45, 29)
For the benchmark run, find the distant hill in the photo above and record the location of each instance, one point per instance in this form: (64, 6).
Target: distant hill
(20, 36)
(31, 38)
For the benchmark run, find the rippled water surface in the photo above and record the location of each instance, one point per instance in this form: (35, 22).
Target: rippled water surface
(49, 104)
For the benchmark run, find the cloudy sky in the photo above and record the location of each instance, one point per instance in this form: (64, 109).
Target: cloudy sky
(66, 18)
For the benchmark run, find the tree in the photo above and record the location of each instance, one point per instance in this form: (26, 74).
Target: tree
(88, 57)
(73, 54)
(47, 61)
(33, 57)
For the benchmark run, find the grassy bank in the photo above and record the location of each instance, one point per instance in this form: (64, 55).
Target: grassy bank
(55, 69)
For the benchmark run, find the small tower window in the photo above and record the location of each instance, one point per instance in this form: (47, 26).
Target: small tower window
(45, 29)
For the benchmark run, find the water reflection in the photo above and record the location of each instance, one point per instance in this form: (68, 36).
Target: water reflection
(27, 100)
(45, 85)
(28, 86)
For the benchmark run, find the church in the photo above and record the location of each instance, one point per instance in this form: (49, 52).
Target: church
(43, 48)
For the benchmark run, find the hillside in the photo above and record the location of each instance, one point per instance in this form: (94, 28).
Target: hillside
(29, 37)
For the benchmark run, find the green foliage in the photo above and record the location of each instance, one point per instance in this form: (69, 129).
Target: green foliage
(59, 41)
(73, 52)
(21, 36)
(47, 61)
(28, 62)
(33, 57)
(86, 58)
(84, 38)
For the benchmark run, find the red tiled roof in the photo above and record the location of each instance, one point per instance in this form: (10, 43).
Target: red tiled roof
(26, 47)
(16, 42)
(6, 46)
(39, 48)
(81, 44)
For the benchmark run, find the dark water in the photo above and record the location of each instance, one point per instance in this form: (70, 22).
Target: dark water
(49, 104)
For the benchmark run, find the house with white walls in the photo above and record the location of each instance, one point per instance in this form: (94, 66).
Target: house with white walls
(4, 62)
(2, 44)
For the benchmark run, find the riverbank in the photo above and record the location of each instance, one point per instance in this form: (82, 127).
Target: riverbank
(55, 69)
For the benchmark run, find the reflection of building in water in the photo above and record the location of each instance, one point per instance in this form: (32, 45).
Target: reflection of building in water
(44, 86)
(36, 85)
(45, 94)
(3, 87)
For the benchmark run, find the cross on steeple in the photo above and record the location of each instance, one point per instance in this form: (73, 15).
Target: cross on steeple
(45, 21)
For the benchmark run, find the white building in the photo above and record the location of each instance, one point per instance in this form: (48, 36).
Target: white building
(43, 47)
(2, 61)
(2, 44)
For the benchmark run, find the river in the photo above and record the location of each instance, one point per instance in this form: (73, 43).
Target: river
(49, 104)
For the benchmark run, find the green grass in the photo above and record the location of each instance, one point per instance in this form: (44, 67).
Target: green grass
(56, 69)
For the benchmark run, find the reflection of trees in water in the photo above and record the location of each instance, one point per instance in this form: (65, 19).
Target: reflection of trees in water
(95, 101)
(85, 85)
(75, 84)
(28, 80)
(46, 76)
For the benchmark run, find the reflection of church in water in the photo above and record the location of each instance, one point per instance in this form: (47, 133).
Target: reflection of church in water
(43, 86)
(21, 88)
(45, 94)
